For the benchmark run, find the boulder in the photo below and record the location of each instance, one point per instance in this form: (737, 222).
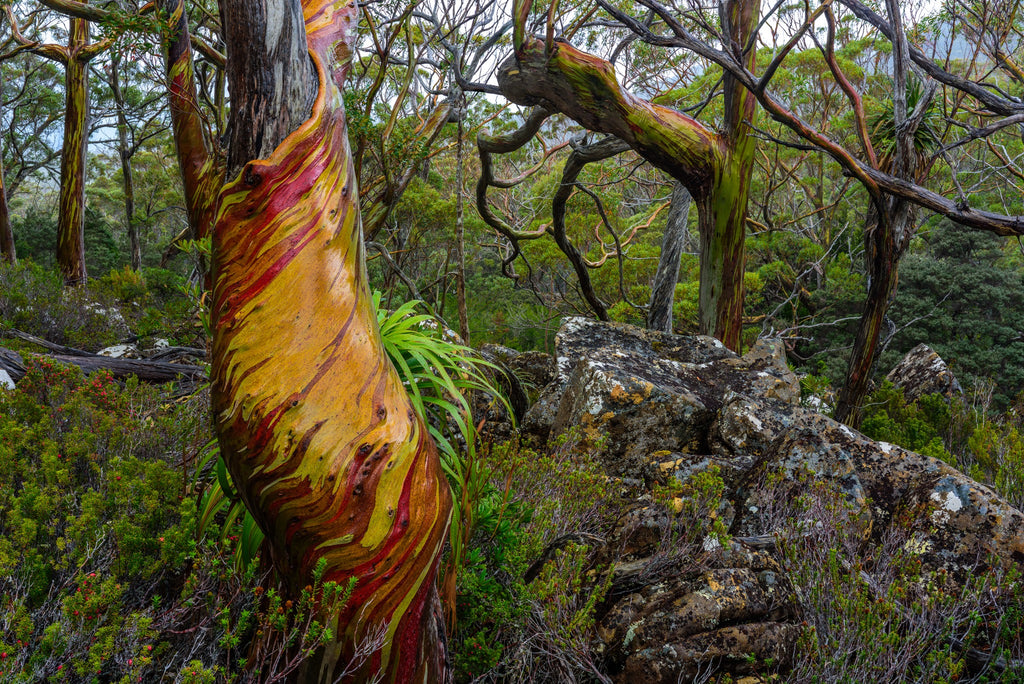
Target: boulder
(535, 368)
(658, 407)
(952, 522)
(583, 339)
(648, 392)
(738, 616)
(922, 371)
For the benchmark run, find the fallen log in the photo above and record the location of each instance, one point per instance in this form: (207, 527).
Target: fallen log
(12, 364)
(45, 344)
(148, 371)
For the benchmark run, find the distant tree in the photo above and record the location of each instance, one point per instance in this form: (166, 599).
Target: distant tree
(8, 253)
(891, 176)
(714, 166)
(74, 57)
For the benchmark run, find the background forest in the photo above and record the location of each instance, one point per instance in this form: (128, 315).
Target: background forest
(500, 218)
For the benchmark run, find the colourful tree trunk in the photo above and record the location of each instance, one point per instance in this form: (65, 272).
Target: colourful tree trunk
(715, 167)
(314, 423)
(200, 176)
(71, 203)
(723, 233)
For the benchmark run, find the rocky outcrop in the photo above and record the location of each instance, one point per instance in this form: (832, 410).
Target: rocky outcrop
(639, 392)
(658, 408)
(951, 521)
(922, 371)
(612, 346)
(671, 630)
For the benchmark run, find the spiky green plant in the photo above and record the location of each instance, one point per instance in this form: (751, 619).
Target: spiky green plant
(439, 375)
(926, 136)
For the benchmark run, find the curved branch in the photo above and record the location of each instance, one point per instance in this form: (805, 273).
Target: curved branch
(851, 93)
(874, 181)
(608, 147)
(585, 88)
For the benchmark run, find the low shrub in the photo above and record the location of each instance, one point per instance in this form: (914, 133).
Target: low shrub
(872, 613)
(528, 590)
(102, 574)
(34, 300)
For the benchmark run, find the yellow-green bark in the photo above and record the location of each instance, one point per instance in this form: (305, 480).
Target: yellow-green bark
(71, 200)
(200, 175)
(714, 166)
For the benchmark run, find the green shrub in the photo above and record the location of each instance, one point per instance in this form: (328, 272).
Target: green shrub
(102, 574)
(124, 285)
(919, 426)
(988, 448)
(522, 627)
(34, 300)
(871, 612)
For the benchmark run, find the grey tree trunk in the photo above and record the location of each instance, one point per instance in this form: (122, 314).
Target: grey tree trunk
(125, 151)
(270, 76)
(659, 315)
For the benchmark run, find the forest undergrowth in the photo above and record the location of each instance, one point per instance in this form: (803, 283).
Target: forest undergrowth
(115, 568)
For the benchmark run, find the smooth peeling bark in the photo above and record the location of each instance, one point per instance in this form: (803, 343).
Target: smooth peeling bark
(584, 88)
(722, 217)
(201, 178)
(71, 199)
(723, 231)
(313, 421)
(715, 168)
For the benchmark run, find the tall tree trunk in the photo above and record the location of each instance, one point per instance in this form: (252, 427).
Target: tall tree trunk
(894, 221)
(663, 291)
(460, 228)
(715, 168)
(125, 152)
(201, 178)
(313, 421)
(882, 256)
(722, 253)
(8, 254)
(71, 204)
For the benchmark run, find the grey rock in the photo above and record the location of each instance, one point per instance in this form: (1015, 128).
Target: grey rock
(922, 371)
(679, 625)
(533, 367)
(636, 398)
(952, 522)
(583, 338)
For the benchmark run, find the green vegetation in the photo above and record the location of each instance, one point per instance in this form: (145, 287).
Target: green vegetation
(126, 553)
(120, 541)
